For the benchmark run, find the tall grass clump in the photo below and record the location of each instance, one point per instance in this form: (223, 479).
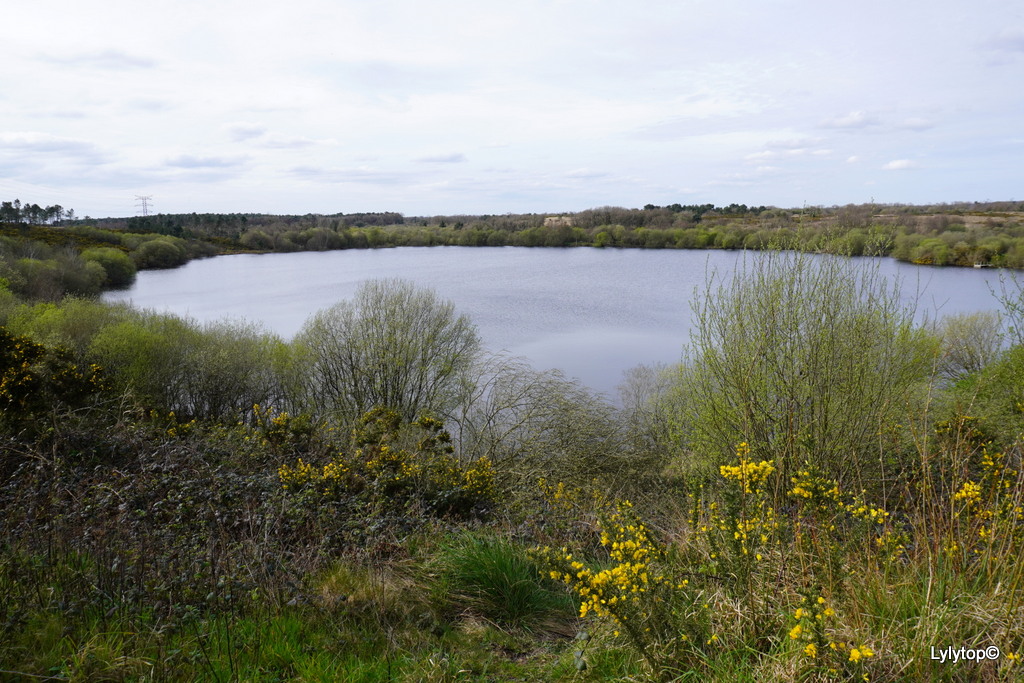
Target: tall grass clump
(494, 578)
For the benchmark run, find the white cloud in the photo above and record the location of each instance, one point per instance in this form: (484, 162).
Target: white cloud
(31, 149)
(101, 59)
(916, 123)
(788, 150)
(281, 142)
(900, 165)
(853, 120)
(245, 131)
(454, 158)
(42, 142)
(586, 174)
(1009, 39)
(359, 175)
(194, 161)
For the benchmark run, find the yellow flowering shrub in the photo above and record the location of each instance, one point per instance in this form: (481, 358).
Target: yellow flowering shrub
(631, 590)
(988, 506)
(298, 476)
(331, 479)
(36, 379)
(747, 523)
(810, 487)
(679, 605)
(283, 432)
(378, 467)
(815, 633)
(750, 475)
(831, 519)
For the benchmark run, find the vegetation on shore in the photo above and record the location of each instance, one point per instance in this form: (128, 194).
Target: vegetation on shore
(45, 252)
(822, 490)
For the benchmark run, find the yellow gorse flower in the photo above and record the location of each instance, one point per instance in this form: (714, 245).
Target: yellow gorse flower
(617, 591)
(857, 653)
(969, 492)
(749, 474)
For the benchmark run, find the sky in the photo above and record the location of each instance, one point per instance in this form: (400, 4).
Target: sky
(459, 107)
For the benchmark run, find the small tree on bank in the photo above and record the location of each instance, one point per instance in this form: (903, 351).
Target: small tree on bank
(394, 346)
(805, 358)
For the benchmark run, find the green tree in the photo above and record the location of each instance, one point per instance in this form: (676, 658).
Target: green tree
(232, 367)
(148, 356)
(218, 370)
(162, 252)
(394, 346)
(118, 267)
(1011, 296)
(72, 323)
(534, 424)
(970, 342)
(806, 359)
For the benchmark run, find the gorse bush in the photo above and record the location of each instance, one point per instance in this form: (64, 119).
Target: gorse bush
(37, 382)
(632, 589)
(378, 468)
(806, 581)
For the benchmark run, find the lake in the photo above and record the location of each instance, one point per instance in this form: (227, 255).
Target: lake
(592, 313)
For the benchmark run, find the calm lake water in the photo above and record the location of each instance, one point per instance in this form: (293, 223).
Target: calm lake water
(592, 313)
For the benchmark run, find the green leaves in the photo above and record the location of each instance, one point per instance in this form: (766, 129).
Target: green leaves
(807, 357)
(36, 380)
(394, 346)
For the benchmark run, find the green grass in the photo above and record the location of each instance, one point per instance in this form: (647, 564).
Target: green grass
(493, 578)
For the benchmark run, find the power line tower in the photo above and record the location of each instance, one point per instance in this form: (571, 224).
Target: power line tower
(143, 203)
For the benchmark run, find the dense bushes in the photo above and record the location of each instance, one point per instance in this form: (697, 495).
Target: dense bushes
(118, 267)
(824, 491)
(60, 266)
(164, 252)
(39, 382)
(36, 271)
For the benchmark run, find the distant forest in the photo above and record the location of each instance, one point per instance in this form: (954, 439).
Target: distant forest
(47, 252)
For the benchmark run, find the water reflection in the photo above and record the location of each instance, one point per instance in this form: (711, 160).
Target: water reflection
(592, 313)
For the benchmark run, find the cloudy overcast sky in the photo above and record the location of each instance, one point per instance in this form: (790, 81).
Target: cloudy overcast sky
(476, 107)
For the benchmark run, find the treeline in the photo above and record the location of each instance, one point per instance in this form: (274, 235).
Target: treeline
(48, 260)
(990, 234)
(233, 225)
(33, 214)
(956, 238)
